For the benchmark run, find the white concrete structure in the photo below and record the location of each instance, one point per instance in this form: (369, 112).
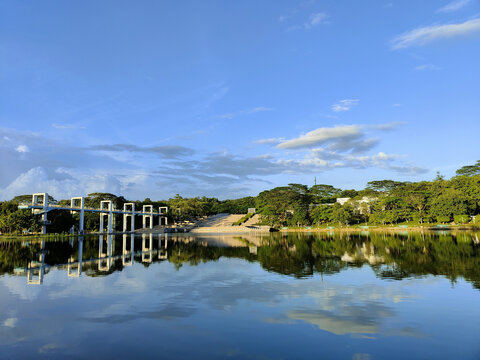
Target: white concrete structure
(41, 208)
(129, 213)
(108, 206)
(73, 204)
(342, 201)
(163, 210)
(40, 205)
(147, 211)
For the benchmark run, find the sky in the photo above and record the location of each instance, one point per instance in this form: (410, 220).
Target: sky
(229, 98)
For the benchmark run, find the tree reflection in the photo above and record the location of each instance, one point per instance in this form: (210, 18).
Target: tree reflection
(390, 255)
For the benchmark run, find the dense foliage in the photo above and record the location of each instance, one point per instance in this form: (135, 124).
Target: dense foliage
(381, 202)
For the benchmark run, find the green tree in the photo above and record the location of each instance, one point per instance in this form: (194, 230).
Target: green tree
(341, 214)
(321, 214)
(469, 170)
(321, 193)
(450, 202)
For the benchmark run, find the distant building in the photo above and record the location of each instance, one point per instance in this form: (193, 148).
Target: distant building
(251, 210)
(357, 203)
(342, 201)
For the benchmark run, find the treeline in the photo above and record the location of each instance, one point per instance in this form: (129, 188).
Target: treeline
(380, 203)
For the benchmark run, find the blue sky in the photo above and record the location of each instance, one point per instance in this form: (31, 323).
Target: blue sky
(228, 98)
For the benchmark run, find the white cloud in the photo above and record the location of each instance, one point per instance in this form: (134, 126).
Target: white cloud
(316, 19)
(344, 105)
(427, 67)
(454, 6)
(321, 136)
(424, 35)
(22, 149)
(10, 322)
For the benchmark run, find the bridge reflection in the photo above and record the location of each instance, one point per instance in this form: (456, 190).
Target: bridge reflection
(37, 269)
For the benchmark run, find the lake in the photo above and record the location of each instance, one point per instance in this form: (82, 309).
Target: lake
(274, 296)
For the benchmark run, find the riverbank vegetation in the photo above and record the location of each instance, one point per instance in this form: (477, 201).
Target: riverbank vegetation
(381, 202)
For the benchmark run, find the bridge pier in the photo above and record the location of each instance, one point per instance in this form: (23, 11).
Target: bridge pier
(35, 202)
(109, 214)
(162, 210)
(73, 202)
(129, 207)
(147, 209)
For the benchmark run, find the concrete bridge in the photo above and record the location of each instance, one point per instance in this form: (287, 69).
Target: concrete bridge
(40, 205)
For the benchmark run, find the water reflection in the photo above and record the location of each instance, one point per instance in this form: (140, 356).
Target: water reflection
(36, 269)
(276, 296)
(72, 265)
(40, 260)
(391, 256)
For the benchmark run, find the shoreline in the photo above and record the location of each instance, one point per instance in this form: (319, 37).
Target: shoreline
(384, 229)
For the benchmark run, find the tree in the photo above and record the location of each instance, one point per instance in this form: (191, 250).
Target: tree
(321, 214)
(341, 214)
(322, 193)
(469, 170)
(384, 186)
(450, 202)
(278, 204)
(347, 193)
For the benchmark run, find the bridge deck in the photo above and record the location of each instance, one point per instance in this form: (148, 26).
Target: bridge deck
(59, 207)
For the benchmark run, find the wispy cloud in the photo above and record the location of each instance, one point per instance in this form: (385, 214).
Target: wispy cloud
(344, 105)
(245, 112)
(387, 126)
(316, 19)
(427, 34)
(454, 6)
(270, 141)
(427, 67)
(167, 151)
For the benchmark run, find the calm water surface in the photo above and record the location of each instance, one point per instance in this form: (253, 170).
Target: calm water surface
(408, 296)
